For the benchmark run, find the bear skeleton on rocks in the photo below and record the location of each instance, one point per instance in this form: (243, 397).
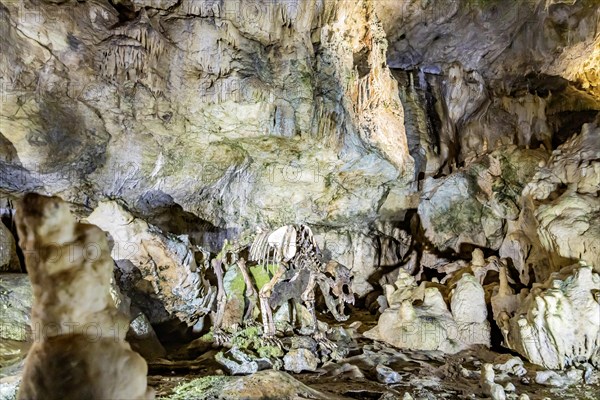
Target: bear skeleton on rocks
(292, 248)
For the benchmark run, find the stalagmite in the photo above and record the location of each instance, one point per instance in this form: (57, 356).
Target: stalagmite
(80, 349)
(558, 324)
(418, 316)
(489, 387)
(438, 161)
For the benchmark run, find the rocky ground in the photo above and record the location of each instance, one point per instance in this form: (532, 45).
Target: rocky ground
(371, 370)
(374, 370)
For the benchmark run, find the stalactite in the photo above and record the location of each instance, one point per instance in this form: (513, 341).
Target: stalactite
(134, 51)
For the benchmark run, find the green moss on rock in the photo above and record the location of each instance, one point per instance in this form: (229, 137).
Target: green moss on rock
(207, 387)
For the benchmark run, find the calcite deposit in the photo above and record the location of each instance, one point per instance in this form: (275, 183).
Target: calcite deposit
(419, 317)
(567, 190)
(558, 324)
(472, 206)
(80, 348)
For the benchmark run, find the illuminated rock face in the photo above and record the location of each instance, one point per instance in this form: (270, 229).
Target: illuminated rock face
(249, 113)
(77, 329)
(241, 112)
(558, 323)
(419, 318)
(406, 133)
(474, 205)
(158, 267)
(566, 188)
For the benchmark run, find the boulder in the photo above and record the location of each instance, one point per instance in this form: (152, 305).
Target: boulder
(298, 360)
(9, 262)
(269, 384)
(238, 362)
(158, 268)
(143, 339)
(558, 378)
(387, 375)
(260, 385)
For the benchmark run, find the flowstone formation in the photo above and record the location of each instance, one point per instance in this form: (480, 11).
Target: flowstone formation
(539, 214)
(473, 205)
(566, 189)
(418, 317)
(81, 349)
(254, 115)
(558, 324)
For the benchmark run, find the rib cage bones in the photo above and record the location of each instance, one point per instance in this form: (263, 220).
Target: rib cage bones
(292, 244)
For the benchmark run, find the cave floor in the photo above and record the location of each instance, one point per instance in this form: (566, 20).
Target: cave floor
(422, 379)
(424, 375)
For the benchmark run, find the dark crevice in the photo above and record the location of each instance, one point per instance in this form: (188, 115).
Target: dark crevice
(361, 62)
(159, 209)
(568, 123)
(125, 9)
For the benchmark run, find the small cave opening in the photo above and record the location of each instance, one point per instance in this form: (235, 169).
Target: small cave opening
(565, 124)
(539, 84)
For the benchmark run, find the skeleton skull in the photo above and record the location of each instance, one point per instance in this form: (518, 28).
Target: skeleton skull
(339, 279)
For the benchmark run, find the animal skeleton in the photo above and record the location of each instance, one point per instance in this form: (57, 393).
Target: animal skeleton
(293, 247)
